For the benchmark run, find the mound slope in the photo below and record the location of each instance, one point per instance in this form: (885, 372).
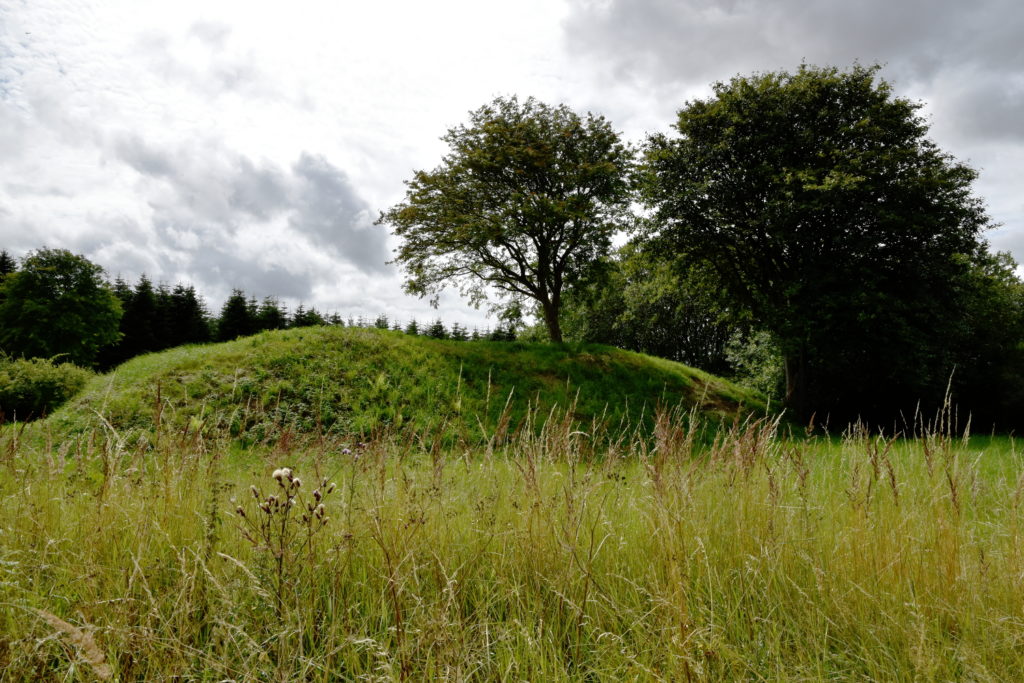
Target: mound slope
(346, 381)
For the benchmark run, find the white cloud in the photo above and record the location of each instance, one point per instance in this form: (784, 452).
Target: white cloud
(240, 144)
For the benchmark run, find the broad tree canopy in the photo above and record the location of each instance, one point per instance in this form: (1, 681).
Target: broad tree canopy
(57, 303)
(830, 215)
(524, 204)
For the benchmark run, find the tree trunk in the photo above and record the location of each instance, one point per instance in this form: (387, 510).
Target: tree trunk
(551, 320)
(796, 382)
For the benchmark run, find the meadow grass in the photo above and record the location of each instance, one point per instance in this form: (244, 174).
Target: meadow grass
(341, 381)
(546, 554)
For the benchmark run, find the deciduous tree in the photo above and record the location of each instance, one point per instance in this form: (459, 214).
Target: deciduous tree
(524, 204)
(57, 304)
(830, 215)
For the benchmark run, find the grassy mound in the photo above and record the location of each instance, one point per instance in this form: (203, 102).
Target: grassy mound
(352, 382)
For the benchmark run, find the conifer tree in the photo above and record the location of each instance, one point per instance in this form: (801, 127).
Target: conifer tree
(271, 315)
(7, 264)
(164, 323)
(458, 332)
(307, 318)
(139, 321)
(236, 319)
(190, 316)
(437, 330)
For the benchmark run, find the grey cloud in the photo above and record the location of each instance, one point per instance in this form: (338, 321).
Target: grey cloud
(214, 267)
(207, 181)
(260, 191)
(669, 44)
(17, 189)
(221, 72)
(12, 132)
(134, 151)
(982, 106)
(1010, 240)
(699, 39)
(220, 269)
(121, 256)
(15, 236)
(334, 215)
(204, 197)
(213, 33)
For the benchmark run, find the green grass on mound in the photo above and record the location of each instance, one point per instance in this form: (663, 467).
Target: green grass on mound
(346, 381)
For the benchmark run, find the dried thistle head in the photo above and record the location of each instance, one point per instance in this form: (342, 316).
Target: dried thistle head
(282, 474)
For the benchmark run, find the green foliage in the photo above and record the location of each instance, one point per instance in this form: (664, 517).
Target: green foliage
(828, 214)
(30, 389)
(657, 304)
(987, 344)
(525, 203)
(57, 303)
(757, 363)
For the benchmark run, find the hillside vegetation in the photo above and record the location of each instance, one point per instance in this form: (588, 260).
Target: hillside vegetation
(364, 535)
(361, 382)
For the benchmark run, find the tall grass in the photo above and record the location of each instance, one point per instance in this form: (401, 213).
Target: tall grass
(550, 553)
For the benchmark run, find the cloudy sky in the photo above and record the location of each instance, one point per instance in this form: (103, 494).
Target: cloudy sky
(252, 145)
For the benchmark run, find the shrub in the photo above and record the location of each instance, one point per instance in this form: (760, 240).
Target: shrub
(30, 389)
(757, 363)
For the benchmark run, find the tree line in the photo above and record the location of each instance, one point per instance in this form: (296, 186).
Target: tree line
(58, 305)
(800, 227)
